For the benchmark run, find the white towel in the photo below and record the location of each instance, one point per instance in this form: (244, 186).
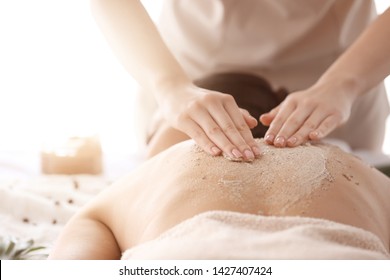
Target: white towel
(231, 235)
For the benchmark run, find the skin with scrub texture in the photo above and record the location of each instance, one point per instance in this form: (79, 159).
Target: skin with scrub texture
(314, 180)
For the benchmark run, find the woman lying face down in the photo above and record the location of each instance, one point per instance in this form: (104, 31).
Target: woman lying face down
(312, 181)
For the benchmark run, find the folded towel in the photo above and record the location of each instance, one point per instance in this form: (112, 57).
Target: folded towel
(231, 235)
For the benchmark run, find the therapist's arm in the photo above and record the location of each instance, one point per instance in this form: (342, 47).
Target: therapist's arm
(211, 118)
(313, 113)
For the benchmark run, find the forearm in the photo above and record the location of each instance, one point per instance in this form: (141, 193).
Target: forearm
(211, 118)
(137, 42)
(366, 62)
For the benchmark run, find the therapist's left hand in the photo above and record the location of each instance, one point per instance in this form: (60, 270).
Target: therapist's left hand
(307, 115)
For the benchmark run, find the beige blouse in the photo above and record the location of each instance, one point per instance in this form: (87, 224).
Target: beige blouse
(291, 43)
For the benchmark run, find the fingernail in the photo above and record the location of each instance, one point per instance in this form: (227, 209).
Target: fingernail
(236, 153)
(269, 138)
(215, 151)
(314, 135)
(279, 141)
(256, 151)
(292, 140)
(249, 155)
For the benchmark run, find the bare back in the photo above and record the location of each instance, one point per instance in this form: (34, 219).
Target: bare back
(314, 180)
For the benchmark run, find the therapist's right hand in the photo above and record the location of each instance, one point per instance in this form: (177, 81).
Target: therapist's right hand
(212, 119)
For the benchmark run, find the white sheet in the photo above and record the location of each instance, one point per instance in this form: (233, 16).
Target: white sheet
(39, 207)
(230, 235)
(36, 206)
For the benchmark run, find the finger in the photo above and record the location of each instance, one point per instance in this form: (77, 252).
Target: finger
(326, 127)
(302, 121)
(283, 113)
(199, 136)
(243, 128)
(267, 118)
(235, 128)
(250, 121)
(310, 124)
(216, 134)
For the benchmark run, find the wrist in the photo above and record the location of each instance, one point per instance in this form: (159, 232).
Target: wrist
(170, 87)
(346, 85)
(169, 90)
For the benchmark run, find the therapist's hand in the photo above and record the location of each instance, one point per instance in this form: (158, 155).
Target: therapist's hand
(307, 115)
(212, 119)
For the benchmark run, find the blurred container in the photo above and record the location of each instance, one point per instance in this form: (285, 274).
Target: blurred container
(75, 155)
